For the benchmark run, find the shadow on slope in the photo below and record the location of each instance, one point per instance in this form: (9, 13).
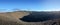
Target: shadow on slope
(37, 17)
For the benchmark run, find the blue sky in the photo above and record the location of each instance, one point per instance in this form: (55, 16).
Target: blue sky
(33, 5)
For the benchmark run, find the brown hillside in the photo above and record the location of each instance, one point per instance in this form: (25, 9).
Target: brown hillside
(9, 17)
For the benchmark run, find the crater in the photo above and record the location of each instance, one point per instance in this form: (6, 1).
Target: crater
(36, 17)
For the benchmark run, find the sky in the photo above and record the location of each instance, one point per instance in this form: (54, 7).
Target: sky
(31, 5)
